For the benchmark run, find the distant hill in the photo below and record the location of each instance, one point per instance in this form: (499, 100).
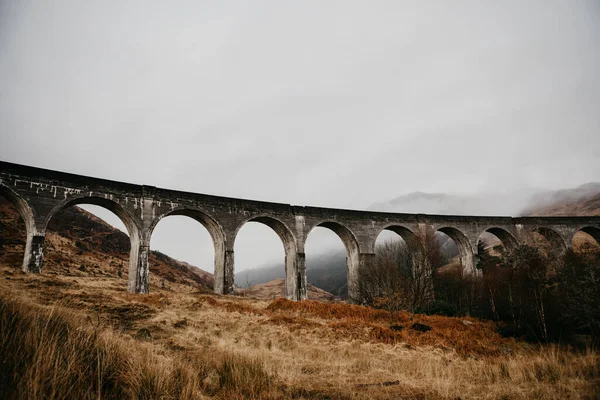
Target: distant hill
(81, 244)
(526, 202)
(454, 204)
(327, 272)
(581, 201)
(276, 288)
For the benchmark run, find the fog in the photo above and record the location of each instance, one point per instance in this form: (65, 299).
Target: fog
(340, 104)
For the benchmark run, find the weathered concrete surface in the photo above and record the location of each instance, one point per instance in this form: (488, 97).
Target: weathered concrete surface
(38, 194)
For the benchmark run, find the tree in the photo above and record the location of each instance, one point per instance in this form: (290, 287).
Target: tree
(401, 277)
(578, 284)
(531, 280)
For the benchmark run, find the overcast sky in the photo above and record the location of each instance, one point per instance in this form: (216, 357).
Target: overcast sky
(341, 104)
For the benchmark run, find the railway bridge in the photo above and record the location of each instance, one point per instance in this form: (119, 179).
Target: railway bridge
(38, 194)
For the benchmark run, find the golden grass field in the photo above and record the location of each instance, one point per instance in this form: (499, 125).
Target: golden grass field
(86, 337)
(75, 332)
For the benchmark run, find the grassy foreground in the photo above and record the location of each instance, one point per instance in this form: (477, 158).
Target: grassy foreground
(85, 337)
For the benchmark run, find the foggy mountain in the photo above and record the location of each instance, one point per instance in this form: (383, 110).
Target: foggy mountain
(525, 202)
(439, 203)
(328, 270)
(583, 200)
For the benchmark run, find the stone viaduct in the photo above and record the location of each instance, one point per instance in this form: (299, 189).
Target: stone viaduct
(38, 194)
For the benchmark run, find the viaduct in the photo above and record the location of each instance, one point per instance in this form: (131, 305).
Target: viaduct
(38, 194)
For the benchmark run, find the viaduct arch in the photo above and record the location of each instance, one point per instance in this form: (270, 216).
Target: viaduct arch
(39, 193)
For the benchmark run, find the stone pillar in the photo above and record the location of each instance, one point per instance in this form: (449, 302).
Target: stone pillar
(295, 268)
(34, 253)
(355, 265)
(469, 263)
(301, 276)
(139, 267)
(224, 271)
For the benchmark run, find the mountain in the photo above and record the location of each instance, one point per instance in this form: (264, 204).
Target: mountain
(81, 244)
(525, 202)
(581, 201)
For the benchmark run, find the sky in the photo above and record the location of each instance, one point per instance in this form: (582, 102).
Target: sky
(339, 103)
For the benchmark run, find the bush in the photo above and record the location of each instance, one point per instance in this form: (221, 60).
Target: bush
(438, 307)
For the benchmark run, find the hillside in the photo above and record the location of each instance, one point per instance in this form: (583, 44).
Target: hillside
(587, 205)
(79, 244)
(525, 202)
(276, 288)
(86, 336)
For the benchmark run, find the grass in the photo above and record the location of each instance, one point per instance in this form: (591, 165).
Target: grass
(50, 353)
(84, 337)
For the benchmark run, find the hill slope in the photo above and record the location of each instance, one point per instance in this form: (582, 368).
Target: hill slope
(276, 288)
(587, 205)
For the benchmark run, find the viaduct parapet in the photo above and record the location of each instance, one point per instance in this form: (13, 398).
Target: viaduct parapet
(38, 194)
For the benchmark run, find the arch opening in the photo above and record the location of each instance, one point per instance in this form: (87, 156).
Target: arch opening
(457, 283)
(401, 266)
(548, 240)
(459, 250)
(260, 245)
(587, 238)
(80, 240)
(183, 251)
(332, 259)
(107, 204)
(492, 244)
(400, 245)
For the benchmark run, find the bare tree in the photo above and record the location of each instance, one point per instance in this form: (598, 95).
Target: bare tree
(401, 277)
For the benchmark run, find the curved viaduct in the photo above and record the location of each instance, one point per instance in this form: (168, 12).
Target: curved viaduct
(38, 194)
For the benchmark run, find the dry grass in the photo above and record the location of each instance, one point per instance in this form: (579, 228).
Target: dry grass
(50, 353)
(472, 337)
(84, 334)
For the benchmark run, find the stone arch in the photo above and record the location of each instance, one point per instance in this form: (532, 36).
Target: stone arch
(465, 249)
(345, 234)
(295, 282)
(128, 220)
(138, 253)
(553, 237)
(420, 266)
(412, 240)
(594, 232)
(216, 233)
(281, 229)
(508, 240)
(215, 230)
(27, 213)
(21, 205)
(351, 244)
